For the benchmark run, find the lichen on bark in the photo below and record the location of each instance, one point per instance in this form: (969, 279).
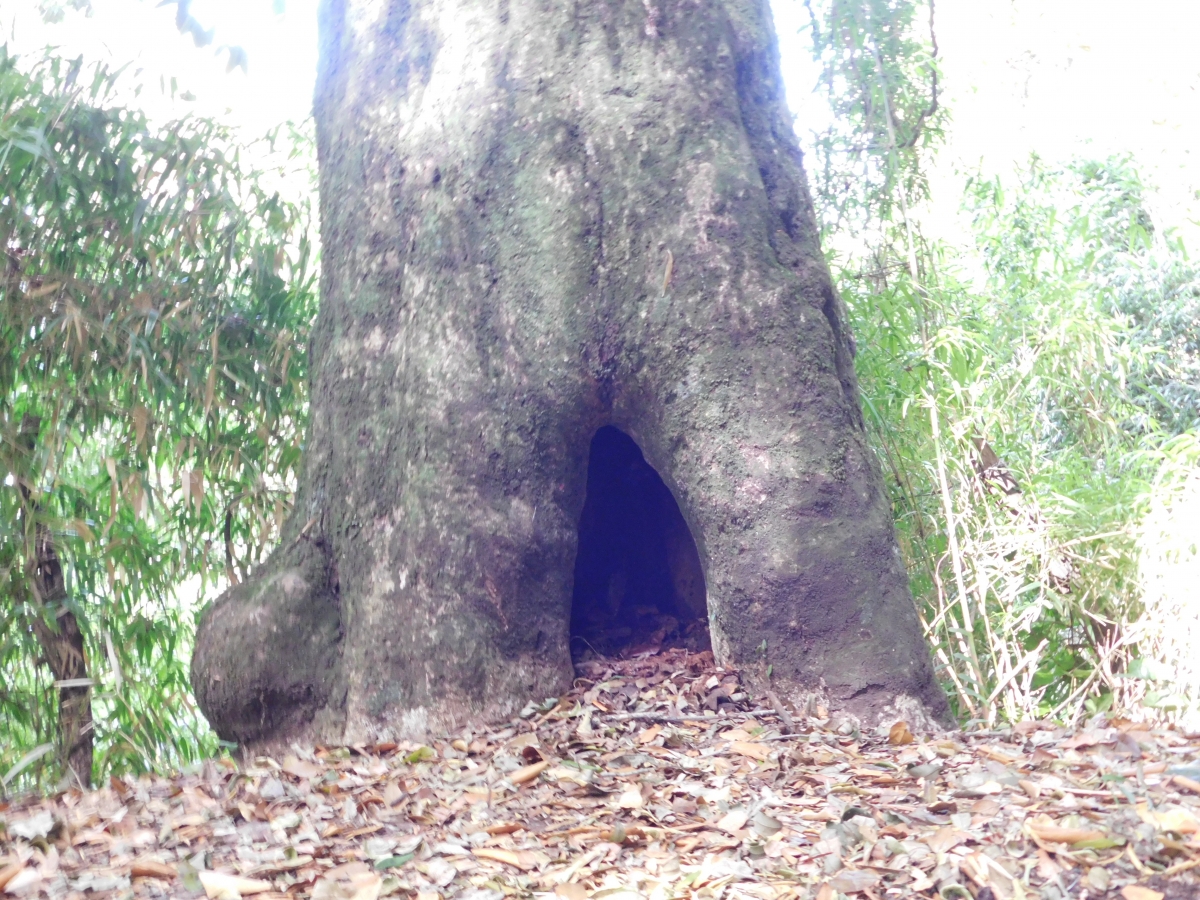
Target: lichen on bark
(540, 218)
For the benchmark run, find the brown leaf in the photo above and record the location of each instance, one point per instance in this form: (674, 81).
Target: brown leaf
(151, 868)
(224, 886)
(9, 872)
(733, 821)
(359, 885)
(1047, 867)
(392, 794)
(1042, 757)
(1059, 835)
(141, 418)
(985, 806)
(210, 387)
(347, 870)
(899, 734)
(944, 838)
(281, 865)
(572, 890)
(753, 750)
(999, 756)
(649, 734)
(522, 860)
(43, 290)
(528, 773)
(301, 768)
(1088, 738)
(504, 828)
(850, 881)
(1175, 818)
(1137, 892)
(521, 741)
(630, 798)
(1186, 783)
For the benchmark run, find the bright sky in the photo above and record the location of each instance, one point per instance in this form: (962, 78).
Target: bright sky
(281, 50)
(1076, 77)
(1058, 76)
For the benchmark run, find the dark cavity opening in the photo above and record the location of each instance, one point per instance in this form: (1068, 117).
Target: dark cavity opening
(639, 586)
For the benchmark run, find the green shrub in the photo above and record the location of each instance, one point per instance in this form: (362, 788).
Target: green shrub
(154, 307)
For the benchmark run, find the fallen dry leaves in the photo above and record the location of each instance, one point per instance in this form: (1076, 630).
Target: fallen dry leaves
(656, 778)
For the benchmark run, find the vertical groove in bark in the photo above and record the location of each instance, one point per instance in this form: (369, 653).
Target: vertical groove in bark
(58, 633)
(540, 218)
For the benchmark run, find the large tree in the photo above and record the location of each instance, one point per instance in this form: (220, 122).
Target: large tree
(541, 218)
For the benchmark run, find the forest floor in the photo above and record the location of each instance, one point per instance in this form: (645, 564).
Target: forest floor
(657, 778)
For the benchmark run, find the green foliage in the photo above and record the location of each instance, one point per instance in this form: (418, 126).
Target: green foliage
(53, 11)
(880, 76)
(1031, 356)
(154, 308)
(1021, 390)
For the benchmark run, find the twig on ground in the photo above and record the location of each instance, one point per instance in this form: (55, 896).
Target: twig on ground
(780, 710)
(712, 719)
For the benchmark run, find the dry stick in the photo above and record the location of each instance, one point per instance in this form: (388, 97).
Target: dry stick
(940, 652)
(564, 875)
(762, 739)
(1181, 867)
(681, 719)
(599, 829)
(573, 830)
(996, 648)
(1025, 660)
(657, 717)
(780, 710)
(728, 718)
(1087, 683)
(1100, 664)
(965, 644)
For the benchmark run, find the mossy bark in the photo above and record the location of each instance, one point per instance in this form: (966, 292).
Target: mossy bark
(538, 218)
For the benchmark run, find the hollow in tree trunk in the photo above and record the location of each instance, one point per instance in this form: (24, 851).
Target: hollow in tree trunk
(541, 220)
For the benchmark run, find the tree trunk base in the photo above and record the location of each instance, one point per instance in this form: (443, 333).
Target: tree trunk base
(267, 651)
(539, 220)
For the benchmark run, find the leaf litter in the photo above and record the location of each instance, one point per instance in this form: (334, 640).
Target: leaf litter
(656, 778)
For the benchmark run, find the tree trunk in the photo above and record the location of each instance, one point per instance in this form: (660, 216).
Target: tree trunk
(540, 218)
(62, 644)
(58, 633)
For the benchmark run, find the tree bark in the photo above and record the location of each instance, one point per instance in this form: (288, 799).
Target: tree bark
(58, 633)
(541, 217)
(62, 644)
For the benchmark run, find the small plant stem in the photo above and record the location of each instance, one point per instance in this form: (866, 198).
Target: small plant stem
(1029, 658)
(940, 652)
(967, 642)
